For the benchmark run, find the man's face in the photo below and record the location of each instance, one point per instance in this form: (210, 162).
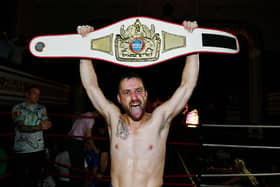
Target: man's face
(32, 97)
(133, 97)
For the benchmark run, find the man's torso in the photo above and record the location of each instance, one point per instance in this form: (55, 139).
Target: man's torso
(138, 155)
(26, 142)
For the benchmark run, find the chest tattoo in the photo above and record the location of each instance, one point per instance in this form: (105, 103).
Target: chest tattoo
(122, 130)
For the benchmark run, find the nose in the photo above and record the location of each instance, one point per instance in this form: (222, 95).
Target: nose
(133, 95)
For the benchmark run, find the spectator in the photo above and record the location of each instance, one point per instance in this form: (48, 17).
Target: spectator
(62, 165)
(81, 130)
(30, 120)
(103, 145)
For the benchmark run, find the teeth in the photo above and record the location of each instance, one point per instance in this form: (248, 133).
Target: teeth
(135, 105)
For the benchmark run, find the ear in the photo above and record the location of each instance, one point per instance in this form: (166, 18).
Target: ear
(146, 93)
(119, 99)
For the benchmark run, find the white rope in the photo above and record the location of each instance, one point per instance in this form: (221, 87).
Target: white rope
(240, 175)
(240, 126)
(240, 146)
(207, 185)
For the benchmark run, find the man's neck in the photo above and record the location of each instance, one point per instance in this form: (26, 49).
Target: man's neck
(136, 124)
(30, 103)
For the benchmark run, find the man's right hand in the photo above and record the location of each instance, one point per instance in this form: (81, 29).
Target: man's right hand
(190, 25)
(46, 124)
(84, 30)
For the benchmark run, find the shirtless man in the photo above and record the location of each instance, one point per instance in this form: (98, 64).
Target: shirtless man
(138, 139)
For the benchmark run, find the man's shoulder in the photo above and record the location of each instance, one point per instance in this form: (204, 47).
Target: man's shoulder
(19, 105)
(40, 106)
(25, 105)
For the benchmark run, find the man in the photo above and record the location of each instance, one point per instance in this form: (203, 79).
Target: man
(62, 157)
(30, 120)
(101, 133)
(138, 139)
(82, 127)
(97, 162)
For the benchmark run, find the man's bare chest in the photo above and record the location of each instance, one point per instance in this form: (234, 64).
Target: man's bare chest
(140, 143)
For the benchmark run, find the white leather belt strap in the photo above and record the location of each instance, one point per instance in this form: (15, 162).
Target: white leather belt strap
(135, 42)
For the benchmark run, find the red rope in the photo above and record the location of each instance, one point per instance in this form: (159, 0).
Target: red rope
(69, 167)
(5, 112)
(8, 134)
(101, 138)
(7, 158)
(5, 176)
(185, 143)
(60, 114)
(68, 136)
(70, 115)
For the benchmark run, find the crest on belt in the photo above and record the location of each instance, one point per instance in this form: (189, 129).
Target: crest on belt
(138, 43)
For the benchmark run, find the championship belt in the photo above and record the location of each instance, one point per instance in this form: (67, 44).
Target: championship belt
(135, 42)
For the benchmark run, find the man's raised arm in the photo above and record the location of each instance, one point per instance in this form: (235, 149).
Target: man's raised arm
(179, 99)
(90, 82)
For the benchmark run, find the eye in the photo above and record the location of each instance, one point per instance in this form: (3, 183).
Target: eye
(126, 92)
(139, 90)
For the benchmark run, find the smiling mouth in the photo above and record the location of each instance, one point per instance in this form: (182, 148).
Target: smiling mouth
(135, 105)
(136, 110)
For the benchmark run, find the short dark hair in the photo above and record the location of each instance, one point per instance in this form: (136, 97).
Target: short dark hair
(130, 75)
(30, 87)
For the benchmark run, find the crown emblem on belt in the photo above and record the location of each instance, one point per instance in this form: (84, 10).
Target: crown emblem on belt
(137, 43)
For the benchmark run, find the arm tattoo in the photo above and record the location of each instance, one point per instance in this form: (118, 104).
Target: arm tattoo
(122, 130)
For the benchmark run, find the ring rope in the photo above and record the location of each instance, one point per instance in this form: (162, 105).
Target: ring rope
(202, 125)
(240, 146)
(8, 134)
(71, 115)
(177, 184)
(67, 166)
(5, 176)
(207, 185)
(179, 176)
(7, 158)
(101, 138)
(176, 143)
(61, 114)
(240, 126)
(239, 175)
(107, 179)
